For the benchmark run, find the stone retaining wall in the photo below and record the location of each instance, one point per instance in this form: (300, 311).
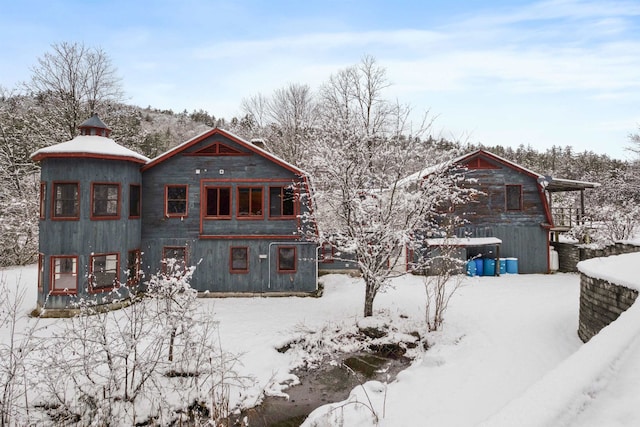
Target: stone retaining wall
(601, 303)
(570, 254)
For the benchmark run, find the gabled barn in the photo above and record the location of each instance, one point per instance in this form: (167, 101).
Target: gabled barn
(233, 210)
(514, 209)
(217, 202)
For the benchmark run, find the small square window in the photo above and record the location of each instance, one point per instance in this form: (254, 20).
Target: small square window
(249, 201)
(239, 260)
(66, 202)
(327, 252)
(64, 274)
(287, 259)
(174, 259)
(133, 267)
(105, 201)
(514, 197)
(176, 200)
(104, 272)
(40, 272)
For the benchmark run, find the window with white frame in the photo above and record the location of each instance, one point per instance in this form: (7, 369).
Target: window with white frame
(64, 274)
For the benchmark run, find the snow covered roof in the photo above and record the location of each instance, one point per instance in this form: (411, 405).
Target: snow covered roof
(414, 177)
(464, 241)
(550, 183)
(561, 184)
(90, 146)
(246, 144)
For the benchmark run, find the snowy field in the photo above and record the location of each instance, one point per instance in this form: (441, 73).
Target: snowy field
(508, 354)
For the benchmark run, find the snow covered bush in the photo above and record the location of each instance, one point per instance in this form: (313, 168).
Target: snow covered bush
(609, 224)
(15, 349)
(619, 222)
(156, 361)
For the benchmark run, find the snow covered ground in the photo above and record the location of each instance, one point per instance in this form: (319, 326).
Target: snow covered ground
(508, 352)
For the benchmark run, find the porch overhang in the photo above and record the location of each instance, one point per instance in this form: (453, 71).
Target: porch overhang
(556, 185)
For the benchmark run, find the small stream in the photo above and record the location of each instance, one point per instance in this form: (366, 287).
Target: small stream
(326, 384)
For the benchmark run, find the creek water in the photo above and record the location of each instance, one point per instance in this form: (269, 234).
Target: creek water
(331, 382)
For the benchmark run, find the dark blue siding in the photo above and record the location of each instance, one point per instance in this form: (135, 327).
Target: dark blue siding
(84, 237)
(208, 241)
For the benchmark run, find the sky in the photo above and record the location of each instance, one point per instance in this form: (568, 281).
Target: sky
(539, 73)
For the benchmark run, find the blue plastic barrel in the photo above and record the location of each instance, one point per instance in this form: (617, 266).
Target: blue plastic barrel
(503, 266)
(489, 267)
(512, 265)
(471, 268)
(479, 266)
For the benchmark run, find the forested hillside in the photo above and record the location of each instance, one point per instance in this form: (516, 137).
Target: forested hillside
(295, 122)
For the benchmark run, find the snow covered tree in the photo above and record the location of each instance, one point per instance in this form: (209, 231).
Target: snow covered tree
(20, 135)
(15, 349)
(366, 207)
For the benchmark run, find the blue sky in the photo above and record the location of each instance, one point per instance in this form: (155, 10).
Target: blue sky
(560, 72)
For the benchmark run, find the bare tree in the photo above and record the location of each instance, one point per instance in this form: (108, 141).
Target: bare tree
(286, 120)
(72, 80)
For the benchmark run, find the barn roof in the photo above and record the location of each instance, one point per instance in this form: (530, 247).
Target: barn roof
(549, 183)
(218, 131)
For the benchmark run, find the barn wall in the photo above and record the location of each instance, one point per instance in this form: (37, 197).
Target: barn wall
(521, 231)
(209, 240)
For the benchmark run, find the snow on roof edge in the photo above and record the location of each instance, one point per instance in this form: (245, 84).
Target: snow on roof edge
(89, 145)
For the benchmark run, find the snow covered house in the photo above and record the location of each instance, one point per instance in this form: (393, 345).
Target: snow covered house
(216, 202)
(514, 209)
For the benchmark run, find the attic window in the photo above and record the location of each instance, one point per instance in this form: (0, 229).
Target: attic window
(480, 163)
(218, 149)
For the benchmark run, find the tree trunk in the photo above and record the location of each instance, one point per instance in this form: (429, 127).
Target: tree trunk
(369, 295)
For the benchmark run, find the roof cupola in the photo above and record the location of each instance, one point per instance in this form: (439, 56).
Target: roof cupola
(94, 126)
